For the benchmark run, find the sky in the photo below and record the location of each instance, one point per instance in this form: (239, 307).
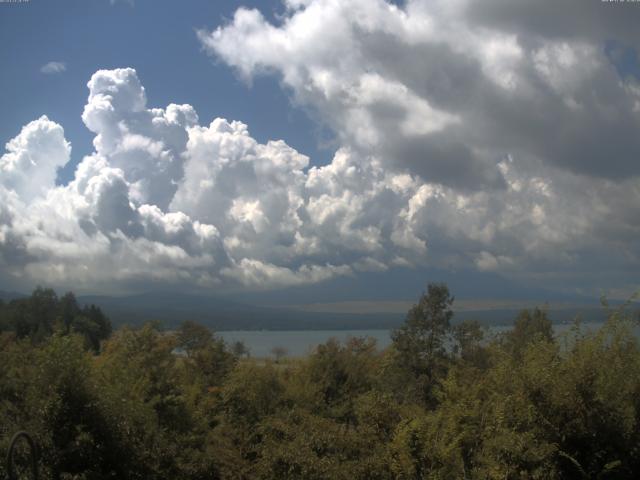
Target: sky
(321, 150)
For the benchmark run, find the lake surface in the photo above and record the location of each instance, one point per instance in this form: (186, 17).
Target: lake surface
(301, 342)
(298, 342)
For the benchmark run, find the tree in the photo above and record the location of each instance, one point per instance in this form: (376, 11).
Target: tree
(529, 326)
(34, 316)
(335, 374)
(239, 349)
(468, 337)
(68, 310)
(193, 336)
(420, 342)
(206, 353)
(93, 325)
(43, 313)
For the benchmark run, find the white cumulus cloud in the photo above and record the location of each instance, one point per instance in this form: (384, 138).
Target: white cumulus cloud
(519, 135)
(165, 199)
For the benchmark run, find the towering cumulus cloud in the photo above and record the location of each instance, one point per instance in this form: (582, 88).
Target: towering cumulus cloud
(520, 121)
(448, 157)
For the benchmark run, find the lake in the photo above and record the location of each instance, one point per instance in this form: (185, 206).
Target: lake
(301, 342)
(298, 342)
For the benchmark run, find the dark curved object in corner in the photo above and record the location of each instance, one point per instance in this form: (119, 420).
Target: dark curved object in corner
(33, 455)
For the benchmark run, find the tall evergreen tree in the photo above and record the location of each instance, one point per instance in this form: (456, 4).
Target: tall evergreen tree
(420, 342)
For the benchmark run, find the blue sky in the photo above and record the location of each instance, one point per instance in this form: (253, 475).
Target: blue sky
(156, 38)
(489, 144)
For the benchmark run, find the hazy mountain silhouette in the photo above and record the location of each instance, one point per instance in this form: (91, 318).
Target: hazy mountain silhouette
(7, 296)
(172, 308)
(223, 314)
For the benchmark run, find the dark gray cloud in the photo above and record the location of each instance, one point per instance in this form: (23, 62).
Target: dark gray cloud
(484, 78)
(593, 134)
(590, 20)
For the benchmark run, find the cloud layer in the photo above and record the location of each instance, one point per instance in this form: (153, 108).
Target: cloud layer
(522, 113)
(443, 89)
(464, 141)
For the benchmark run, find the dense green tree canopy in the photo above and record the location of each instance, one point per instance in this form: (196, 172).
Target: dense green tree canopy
(445, 400)
(37, 317)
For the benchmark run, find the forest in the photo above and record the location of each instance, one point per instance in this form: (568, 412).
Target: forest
(446, 400)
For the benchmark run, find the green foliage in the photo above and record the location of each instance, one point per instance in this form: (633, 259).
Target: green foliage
(331, 378)
(239, 349)
(300, 445)
(193, 337)
(468, 337)
(251, 393)
(440, 403)
(207, 360)
(37, 317)
(530, 326)
(420, 342)
(48, 391)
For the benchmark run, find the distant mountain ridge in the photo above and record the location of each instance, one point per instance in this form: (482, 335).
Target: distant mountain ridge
(222, 314)
(8, 296)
